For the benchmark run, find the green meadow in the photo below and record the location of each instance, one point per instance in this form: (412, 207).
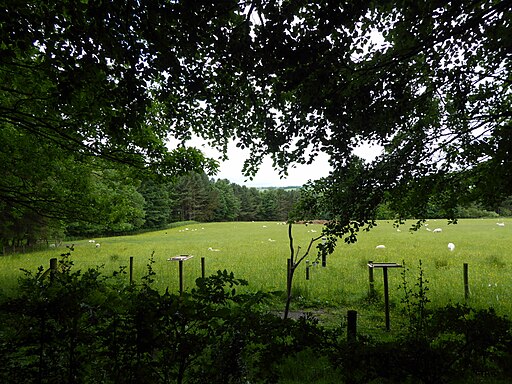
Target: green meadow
(258, 252)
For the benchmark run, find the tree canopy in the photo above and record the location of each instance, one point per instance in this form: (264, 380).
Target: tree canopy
(429, 81)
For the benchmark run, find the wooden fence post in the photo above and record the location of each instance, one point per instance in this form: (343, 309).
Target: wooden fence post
(131, 270)
(53, 268)
(288, 273)
(351, 325)
(202, 267)
(307, 269)
(466, 282)
(386, 297)
(371, 280)
(180, 263)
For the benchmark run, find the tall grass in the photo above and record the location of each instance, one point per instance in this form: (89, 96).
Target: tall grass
(258, 252)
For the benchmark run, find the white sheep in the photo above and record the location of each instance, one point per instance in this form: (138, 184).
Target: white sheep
(213, 249)
(98, 245)
(92, 241)
(451, 246)
(437, 230)
(271, 240)
(500, 224)
(381, 246)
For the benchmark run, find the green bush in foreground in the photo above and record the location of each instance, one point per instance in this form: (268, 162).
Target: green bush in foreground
(83, 327)
(71, 327)
(458, 342)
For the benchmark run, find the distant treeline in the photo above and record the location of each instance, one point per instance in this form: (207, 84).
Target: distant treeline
(120, 205)
(152, 204)
(198, 198)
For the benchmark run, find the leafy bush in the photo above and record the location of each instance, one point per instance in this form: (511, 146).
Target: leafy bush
(436, 345)
(69, 326)
(72, 326)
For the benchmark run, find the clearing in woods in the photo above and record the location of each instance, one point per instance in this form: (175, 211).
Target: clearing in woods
(258, 252)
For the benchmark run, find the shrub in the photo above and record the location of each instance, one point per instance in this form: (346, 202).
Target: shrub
(70, 326)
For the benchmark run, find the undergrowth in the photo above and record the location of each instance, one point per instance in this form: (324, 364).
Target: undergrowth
(70, 326)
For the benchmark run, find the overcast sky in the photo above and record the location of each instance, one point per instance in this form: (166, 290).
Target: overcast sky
(267, 176)
(301, 174)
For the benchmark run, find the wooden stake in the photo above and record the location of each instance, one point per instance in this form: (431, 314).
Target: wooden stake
(180, 263)
(351, 325)
(371, 280)
(53, 268)
(466, 282)
(131, 270)
(386, 296)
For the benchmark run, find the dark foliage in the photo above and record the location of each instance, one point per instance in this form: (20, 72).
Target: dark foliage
(66, 326)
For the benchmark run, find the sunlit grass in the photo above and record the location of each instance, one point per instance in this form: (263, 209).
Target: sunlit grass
(258, 251)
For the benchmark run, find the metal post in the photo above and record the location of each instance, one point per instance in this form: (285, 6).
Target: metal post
(203, 268)
(307, 269)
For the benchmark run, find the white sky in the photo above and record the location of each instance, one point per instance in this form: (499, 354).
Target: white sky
(267, 176)
(300, 174)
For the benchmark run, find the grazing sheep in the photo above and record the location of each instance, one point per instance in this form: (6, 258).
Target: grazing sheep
(500, 224)
(92, 241)
(271, 240)
(437, 230)
(213, 250)
(98, 245)
(451, 246)
(380, 246)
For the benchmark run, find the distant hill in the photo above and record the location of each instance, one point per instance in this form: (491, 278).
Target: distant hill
(289, 188)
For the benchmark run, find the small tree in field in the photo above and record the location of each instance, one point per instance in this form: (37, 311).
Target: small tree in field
(296, 258)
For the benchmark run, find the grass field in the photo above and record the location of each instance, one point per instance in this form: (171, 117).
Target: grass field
(258, 251)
